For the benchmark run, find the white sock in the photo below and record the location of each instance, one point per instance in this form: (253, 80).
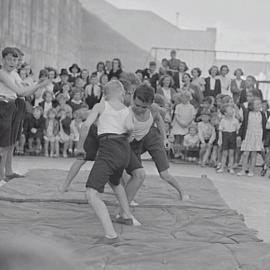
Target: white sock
(135, 221)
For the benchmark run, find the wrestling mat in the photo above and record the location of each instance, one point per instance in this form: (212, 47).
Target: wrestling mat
(200, 234)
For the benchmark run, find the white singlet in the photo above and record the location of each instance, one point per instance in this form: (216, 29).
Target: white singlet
(141, 128)
(112, 121)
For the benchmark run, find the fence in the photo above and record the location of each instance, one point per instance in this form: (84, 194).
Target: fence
(257, 64)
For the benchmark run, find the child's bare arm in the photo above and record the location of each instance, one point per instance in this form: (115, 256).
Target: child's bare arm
(19, 89)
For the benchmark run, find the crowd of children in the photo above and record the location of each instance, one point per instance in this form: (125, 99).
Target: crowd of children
(216, 121)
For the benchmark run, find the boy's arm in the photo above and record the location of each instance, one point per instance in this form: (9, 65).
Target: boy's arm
(213, 136)
(160, 125)
(200, 134)
(19, 89)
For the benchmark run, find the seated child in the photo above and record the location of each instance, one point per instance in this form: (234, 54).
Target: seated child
(47, 102)
(51, 132)
(76, 102)
(192, 143)
(92, 92)
(34, 128)
(64, 133)
(184, 114)
(62, 104)
(207, 136)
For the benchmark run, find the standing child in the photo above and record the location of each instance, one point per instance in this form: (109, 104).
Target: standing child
(114, 122)
(64, 133)
(252, 132)
(51, 139)
(192, 143)
(75, 127)
(228, 129)
(183, 116)
(207, 136)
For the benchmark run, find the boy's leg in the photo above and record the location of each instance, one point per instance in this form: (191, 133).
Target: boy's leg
(65, 148)
(166, 176)
(202, 152)
(38, 147)
(120, 193)
(52, 150)
(102, 212)
(46, 147)
(224, 159)
(73, 171)
(30, 144)
(9, 158)
(231, 158)
(56, 146)
(3, 158)
(207, 154)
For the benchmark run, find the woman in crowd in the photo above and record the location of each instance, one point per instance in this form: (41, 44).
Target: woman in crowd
(212, 83)
(116, 70)
(197, 79)
(225, 81)
(166, 89)
(100, 70)
(85, 77)
(194, 90)
(237, 84)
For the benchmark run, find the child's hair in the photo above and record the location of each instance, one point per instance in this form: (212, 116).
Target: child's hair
(251, 104)
(207, 100)
(127, 86)
(37, 108)
(43, 73)
(160, 100)
(112, 86)
(144, 93)
(132, 78)
(205, 112)
(193, 125)
(226, 99)
(62, 110)
(9, 50)
(224, 108)
(51, 111)
(177, 98)
(61, 96)
(45, 93)
(185, 94)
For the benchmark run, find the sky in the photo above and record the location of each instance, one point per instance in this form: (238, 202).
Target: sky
(241, 25)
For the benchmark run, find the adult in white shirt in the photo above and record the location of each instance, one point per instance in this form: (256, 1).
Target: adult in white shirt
(225, 81)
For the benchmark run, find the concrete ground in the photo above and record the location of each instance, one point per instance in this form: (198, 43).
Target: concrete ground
(249, 196)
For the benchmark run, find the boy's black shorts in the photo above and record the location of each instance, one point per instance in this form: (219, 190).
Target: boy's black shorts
(91, 144)
(229, 140)
(17, 123)
(7, 115)
(112, 158)
(153, 143)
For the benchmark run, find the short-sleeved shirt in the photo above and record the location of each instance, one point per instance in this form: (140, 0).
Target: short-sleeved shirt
(229, 125)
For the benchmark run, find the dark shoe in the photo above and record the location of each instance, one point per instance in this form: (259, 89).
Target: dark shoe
(121, 220)
(14, 175)
(107, 241)
(263, 172)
